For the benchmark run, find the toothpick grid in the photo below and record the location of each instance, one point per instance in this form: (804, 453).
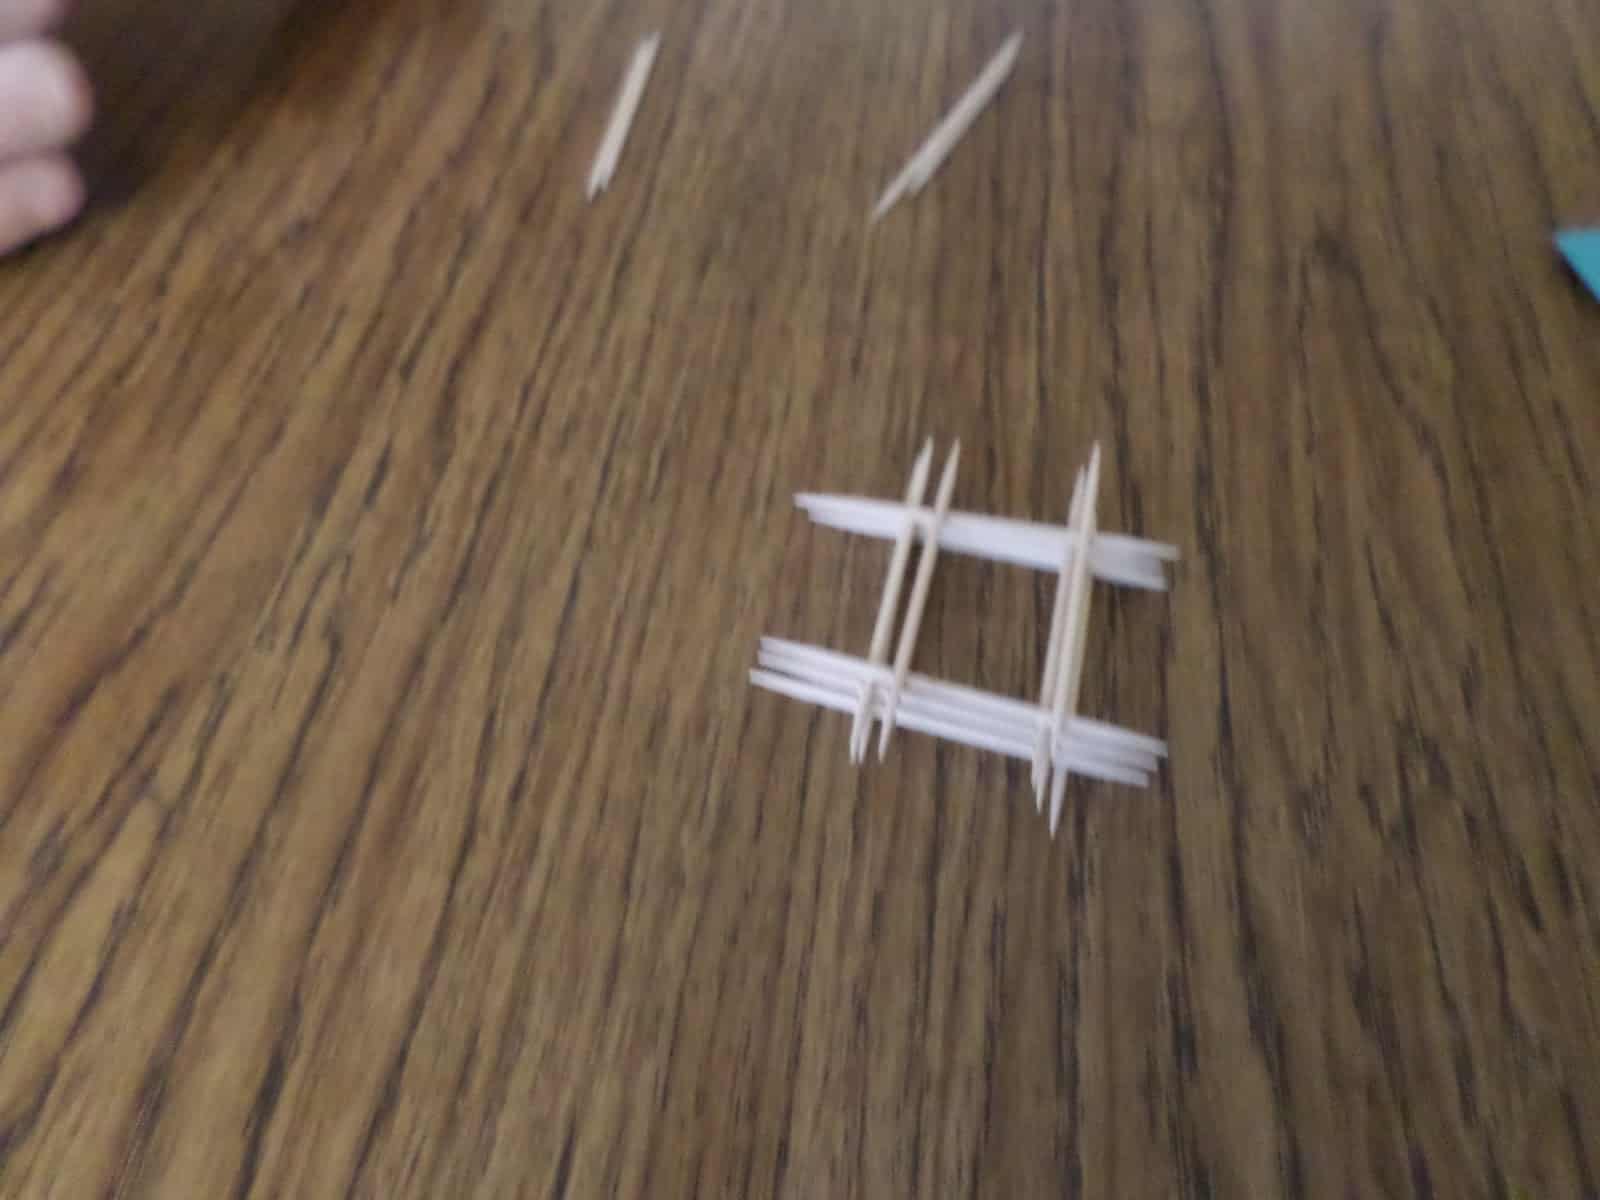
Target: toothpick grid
(1051, 733)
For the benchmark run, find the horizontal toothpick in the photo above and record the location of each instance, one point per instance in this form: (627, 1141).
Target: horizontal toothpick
(820, 665)
(1114, 558)
(928, 706)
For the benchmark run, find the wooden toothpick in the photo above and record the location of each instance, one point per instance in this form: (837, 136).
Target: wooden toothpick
(628, 97)
(1071, 666)
(891, 599)
(919, 594)
(1052, 658)
(930, 157)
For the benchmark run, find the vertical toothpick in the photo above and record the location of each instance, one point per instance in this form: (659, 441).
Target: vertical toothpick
(1076, 626)
(930, 157)
(1086, 546)
(1043, 754)
(891, 600)
(919, 594)
(628, 97)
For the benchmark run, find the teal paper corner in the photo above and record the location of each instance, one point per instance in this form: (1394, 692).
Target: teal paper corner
(1581, 248)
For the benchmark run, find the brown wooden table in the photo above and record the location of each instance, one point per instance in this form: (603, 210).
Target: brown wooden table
(385, 535)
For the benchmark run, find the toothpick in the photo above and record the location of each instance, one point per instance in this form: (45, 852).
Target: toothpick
(1079, 636)
(1077, 624)
(1009, 720)
(1115, 559)
(930, 157)
(628, 97)
(955, 713)
(891, 600)
(1052, 658)
(919, 595)
(817, 664)
(921, 720)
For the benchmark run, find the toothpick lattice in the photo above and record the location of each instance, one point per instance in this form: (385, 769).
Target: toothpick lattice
(1051, 734)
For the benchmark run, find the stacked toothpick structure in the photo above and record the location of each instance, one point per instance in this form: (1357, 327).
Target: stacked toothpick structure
(1051, 733)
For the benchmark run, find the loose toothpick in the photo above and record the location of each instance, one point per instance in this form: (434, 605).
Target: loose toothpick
(948, 132)
(628, 97)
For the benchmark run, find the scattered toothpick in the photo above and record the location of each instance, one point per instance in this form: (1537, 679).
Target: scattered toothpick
(628, 97)
(949, 131)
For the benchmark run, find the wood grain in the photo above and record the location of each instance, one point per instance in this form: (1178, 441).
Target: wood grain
(385, 535)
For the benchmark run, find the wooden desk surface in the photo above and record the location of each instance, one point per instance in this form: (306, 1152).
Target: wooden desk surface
(385, 535)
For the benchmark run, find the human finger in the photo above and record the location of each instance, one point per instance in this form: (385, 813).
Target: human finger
(45, 98)
(38, 195)
(29, 18)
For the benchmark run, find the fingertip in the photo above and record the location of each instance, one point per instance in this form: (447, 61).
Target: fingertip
(48, 15)
(46, 101)
(58, 193)
(73, 94)
(29, 18)
(38, 197)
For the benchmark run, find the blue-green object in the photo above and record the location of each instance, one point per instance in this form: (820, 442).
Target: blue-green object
(1582, 249)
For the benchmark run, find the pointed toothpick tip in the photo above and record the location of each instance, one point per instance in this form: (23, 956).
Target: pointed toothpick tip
(947, 481)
